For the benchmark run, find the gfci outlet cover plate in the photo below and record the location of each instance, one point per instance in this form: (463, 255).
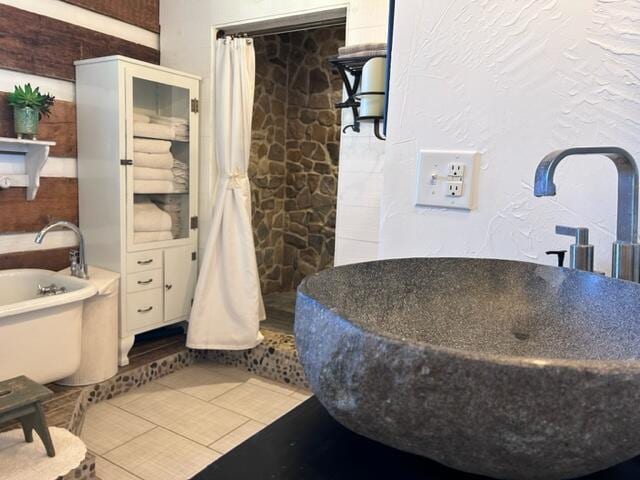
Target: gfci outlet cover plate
(434, 178)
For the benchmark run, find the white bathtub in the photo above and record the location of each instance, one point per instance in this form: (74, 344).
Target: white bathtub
(40, 336)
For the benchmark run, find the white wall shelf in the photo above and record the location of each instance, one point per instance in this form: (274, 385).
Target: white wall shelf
(35, 154)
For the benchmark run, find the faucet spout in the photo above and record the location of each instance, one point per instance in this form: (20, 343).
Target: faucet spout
(628, 180)
(78, 262)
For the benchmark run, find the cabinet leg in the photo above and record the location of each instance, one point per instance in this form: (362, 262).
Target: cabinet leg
(125, 345)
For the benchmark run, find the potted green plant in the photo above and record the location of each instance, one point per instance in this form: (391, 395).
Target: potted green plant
(29, 105)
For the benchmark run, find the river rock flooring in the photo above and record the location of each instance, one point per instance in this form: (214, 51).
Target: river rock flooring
(175, 426)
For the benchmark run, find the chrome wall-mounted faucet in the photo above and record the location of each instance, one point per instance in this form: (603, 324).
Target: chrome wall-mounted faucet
(77, 260)
(626, 250)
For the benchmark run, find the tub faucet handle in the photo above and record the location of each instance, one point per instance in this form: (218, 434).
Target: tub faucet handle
(74, 262)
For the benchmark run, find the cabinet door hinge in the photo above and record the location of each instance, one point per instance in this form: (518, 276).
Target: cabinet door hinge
(195, 105)
(194, 257)
(126, 162)
(194, 223)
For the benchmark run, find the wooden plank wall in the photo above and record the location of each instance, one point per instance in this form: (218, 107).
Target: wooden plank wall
(142, 13)
(39, 45)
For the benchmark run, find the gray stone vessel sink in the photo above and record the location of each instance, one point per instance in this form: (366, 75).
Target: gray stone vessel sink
(505, 369)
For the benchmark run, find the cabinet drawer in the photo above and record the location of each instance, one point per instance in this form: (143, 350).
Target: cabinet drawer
(144, 309)
(148, 280)
(142, 261)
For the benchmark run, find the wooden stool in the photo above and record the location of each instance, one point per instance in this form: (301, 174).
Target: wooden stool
(20, 399)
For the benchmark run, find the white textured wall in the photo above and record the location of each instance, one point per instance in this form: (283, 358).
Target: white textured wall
(513, 79)
(185, 43)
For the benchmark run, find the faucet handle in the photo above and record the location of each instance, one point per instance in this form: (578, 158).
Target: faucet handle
(580, 253)
(581, 234)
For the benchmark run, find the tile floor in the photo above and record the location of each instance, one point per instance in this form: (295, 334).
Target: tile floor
(175, 426)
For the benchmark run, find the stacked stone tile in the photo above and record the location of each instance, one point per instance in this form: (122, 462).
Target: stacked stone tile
(294, 155)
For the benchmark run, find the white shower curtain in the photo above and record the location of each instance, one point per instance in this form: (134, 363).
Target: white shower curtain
(227, 306)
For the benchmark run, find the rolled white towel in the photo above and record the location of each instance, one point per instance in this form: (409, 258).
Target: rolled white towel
(145, 237)
(153, 130)
(153, 186)
(153, 160)
(146, 173)
(146, 145)
(148, 217)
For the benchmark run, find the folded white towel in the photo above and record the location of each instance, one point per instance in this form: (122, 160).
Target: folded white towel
(153, 186)
(173, 205)
(180, 171)
(168, 120)
(153, 160)
(180, 167)
(148, 217)
(362, 50)
(145, 237)
(141, 117)
(146, 173)
(146, 145)
(153, 130)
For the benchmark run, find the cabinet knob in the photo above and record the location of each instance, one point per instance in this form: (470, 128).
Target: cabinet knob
(168, 286)
(145, 262)
(145, 282)
(145, 310)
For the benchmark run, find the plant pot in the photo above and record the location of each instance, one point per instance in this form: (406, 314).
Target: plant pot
(25, 121)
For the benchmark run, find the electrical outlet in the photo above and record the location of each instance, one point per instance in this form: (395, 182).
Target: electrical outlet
(454, 189)
(456, 170)
(446, 179)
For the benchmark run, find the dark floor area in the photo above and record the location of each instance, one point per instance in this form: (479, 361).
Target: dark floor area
(307, 443)
(280, 308)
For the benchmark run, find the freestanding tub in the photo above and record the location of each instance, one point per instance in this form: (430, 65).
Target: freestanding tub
(40, 336)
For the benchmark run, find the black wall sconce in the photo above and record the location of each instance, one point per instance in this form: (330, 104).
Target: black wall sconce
(367, 72)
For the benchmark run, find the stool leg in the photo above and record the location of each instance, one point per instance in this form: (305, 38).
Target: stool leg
(40, 426)
(27, 427)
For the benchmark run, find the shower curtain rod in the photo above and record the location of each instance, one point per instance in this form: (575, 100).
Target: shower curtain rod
(283, 29)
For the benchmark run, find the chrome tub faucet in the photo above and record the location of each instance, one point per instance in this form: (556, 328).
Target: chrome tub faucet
(626, 250)
(77, 259)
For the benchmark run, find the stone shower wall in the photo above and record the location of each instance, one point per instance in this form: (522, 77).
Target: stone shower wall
(267, 160)
(294, 200)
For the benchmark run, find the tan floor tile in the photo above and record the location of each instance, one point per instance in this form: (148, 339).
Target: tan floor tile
(282, 388)
(301, 395)
(244, 376)
(200, 381)
(227, 370)
(105, 470)
(162, 455)
(107, 427)
(188, 416)
(236, 437)
(257, 403)
(147, 390)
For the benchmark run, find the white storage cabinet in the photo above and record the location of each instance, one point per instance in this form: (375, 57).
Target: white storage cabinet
(137, 173)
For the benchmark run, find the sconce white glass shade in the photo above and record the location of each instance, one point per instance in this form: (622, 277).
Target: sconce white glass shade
(373, 80)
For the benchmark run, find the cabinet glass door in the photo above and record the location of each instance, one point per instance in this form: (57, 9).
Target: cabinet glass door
(158, 182)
